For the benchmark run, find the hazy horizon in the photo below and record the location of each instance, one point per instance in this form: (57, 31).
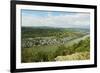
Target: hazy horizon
(56, 27)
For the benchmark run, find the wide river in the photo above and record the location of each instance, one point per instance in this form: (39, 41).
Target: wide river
(76, 40)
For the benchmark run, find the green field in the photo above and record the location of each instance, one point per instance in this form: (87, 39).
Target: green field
(43, 44)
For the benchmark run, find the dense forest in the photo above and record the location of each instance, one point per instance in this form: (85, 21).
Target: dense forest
(42, 44)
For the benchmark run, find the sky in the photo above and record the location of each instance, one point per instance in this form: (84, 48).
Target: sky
(33, 18)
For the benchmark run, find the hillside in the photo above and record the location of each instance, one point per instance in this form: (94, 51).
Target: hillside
(42, 44)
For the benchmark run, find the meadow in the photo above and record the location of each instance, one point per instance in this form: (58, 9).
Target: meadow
(44, 44)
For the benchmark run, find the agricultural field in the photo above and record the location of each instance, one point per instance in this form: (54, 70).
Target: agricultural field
(44, 44)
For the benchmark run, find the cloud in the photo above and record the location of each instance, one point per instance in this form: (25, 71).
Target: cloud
(62, 20)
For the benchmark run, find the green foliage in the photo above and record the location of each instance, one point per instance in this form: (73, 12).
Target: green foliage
(49, 53)
(43, 53)
(32, 32)
(31, 55)
(83, 45)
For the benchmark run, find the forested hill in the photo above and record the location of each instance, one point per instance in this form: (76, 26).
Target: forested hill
(44, 28)
(32, 32)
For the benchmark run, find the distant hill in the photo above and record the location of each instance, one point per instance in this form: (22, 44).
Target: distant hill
(56, 29)
(78, 29)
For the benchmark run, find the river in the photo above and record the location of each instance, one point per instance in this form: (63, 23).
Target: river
(76, 40)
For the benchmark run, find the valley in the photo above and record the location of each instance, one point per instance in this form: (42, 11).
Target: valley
(42, 44)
